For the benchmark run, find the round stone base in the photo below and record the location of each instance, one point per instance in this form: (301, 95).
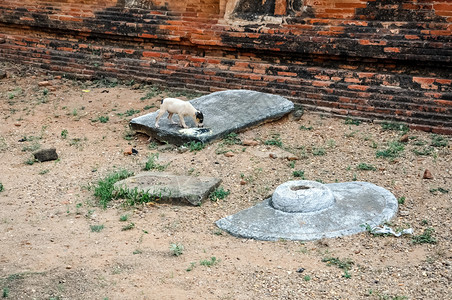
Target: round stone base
(356, 204)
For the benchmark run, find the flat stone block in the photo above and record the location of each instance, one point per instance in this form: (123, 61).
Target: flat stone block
(224, 112)
(172, 187)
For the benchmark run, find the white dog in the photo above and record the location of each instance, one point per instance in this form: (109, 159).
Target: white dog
(182, 109)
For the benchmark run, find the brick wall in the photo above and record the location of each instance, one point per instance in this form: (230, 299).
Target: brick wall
(385, 59)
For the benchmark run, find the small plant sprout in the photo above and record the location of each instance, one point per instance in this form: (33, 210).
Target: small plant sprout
(129, 226)
(219, 194)
(401, 200)
(96, 228)
(64, 133)
(366, 167)
(306, 277)
(209, 263)
(194, 146)
(123, 218)
(425, 238)
(176, 249)
(1, 187)
(275, 140)
(299, 174)
(151, 164)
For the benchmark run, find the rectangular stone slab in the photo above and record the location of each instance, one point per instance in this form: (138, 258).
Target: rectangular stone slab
(224, 112)
(172, 187)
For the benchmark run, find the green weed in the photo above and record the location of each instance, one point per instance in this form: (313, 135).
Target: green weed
(232, 139)
(365, 167)
(401, 200)
(441, 190)
(395, 126)
(318, 151)
(151, 164)
(209, 263)
(426, 151)
(5, 293)
(299, 174)
(219, 194)
(345, 264)
(275, 140)
(1, 187)
(302, 127)
(153, 92)
(124, 218)
(64, 133)
(129, 113)
(135, 196)
(350, 121)
(425, 238)
(102, 119)
(394, 149)
(176, 249)
(129, 226)
(104, 189)
(439, 141)
(96, 228)
(194, 146)
(191, 267)
(306, 277)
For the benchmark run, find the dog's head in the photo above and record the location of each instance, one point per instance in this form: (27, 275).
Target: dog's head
(199, 118)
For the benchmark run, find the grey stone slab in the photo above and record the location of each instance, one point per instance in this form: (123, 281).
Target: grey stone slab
(224, 112)
(356, 204)
(172, 187)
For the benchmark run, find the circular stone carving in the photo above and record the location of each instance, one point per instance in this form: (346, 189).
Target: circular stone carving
(302, 196)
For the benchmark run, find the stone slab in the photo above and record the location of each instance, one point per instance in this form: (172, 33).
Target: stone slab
(172, 187)
(224, 112)
(356, 204)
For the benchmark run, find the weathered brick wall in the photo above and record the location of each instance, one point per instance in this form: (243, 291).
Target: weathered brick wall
(385, 59)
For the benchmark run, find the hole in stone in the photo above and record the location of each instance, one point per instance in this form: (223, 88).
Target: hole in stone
(299, 187)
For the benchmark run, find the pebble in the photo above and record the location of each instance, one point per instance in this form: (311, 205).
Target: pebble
(427, 174)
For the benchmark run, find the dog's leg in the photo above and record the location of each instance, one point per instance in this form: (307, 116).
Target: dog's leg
(160, 114)
(182, 121)
(170, 115)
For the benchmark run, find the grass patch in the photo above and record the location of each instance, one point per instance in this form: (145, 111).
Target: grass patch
(302, 127)
(433, 191)
(151, 164)
(176, 249)
(426, 151)
(232, 139)
(298, 174)
(153, 92)
(124, 218)
(439, 141)
(365, 167)
(344, 264)
(425, 238)
(194, 146)
(96, 228)
(318, 151)
(275, 140)
(394, 149)
(129, 113)
(135, 196)
(105, 187)
(350, 121)
(395, 126)
(102, 119)
(129, 226)
(209, 262)
(219, 194)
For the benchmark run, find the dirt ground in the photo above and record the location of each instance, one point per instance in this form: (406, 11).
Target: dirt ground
(50, 248)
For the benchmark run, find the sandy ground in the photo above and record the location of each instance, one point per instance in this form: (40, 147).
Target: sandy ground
(50, 251)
